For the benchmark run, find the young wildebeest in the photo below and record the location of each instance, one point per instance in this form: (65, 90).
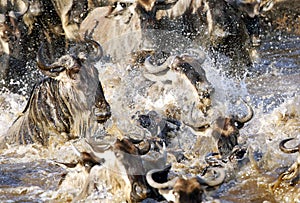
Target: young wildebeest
(66, 104)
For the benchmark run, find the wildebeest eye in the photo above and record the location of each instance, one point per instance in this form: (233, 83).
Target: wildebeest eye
(115, 5)
(137, 188)
(73, 71)
(239, 125)
(176, 195)
(118, 155)
(76, 69)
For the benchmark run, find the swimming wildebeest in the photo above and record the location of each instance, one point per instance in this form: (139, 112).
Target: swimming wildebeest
(181, 190)
(65, 105)
(122, 164)
(291, 173)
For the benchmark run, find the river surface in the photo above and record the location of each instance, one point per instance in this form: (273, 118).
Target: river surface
(271, 87)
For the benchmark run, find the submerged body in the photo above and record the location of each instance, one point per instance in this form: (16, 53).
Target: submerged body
(65, 105)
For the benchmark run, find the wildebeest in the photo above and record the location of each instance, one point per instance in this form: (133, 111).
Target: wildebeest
(259, 14)
(168, 25)
(186, 70)
(254, 7)
(54, 23)
(226, 131)
(123, 168)
(65, 15)
(251, 12)
(10, 13)
(293, 171)
(181, 190)
(10, 32)
(118, 35)
(65, 105)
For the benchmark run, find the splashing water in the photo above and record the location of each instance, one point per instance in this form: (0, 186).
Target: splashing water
(27, 173)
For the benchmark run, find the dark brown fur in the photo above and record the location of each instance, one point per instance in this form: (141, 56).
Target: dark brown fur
(189, 191)
(226, 133)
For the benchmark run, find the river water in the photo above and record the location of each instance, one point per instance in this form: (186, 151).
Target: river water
(271, 87)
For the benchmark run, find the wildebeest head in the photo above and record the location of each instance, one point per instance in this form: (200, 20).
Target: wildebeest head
(181, 190)
(121, 157)
(226, 130)
(193, 70)
(73, 71)
(129, 155)
(188, 69)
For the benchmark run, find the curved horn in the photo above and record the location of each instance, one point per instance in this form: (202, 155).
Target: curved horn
(156, 69)
(288, 150)
(220, 177)
(99, 148)
(43, 66)
(166, 3)
(152, 183)
(249, 116)
(99, 52)
(41, 62)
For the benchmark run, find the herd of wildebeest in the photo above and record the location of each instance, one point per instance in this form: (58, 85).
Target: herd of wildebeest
(69, 102)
